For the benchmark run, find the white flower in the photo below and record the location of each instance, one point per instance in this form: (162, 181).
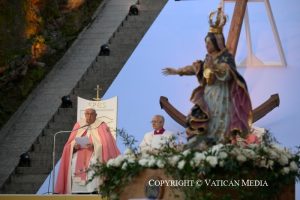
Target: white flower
(186, 152)
(235, 151)
(117, 161)
(128, 152)
(222, 155)
(263, 163)
(285, 170)
(282, 151)
(283, 160)
(110, 162)
(131, 160)
(151, 161)
(270, 164)
(212, 160)
(192, 163)
(273, 155)
(160, 163)
(293, 166)
(145, 154)
(221, 163)
(266, 149)
(198, 157)
(278, 148)
(181, 164)
(241, 158)
(253, 146)
(249, 153)
(101, 181)
(124, 166)
(173, 160)
(143, 162)
(289, 154)
(216, 148)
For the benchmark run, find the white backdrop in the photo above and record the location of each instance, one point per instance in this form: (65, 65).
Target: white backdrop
(107, 111)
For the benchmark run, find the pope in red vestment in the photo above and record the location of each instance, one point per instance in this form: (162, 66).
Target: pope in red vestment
(76, 159)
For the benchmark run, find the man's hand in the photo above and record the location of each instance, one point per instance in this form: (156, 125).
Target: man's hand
(90, 146)
(77, 146)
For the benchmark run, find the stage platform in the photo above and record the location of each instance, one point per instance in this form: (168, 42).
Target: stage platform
(49, 197)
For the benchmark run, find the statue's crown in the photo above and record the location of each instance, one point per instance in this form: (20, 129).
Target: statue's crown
(217, 20)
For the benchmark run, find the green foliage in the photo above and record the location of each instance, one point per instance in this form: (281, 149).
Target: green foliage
(34, 76)
(128, 140)
(12, 24)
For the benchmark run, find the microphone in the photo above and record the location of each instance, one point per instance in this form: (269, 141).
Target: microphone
(53, 152)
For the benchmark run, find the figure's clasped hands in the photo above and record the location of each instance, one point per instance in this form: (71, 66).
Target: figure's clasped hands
(197, 63)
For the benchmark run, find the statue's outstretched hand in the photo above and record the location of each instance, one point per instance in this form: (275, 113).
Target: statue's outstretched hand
(169, 71)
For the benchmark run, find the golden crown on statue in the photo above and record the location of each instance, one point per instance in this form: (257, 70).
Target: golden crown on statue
(217, 20)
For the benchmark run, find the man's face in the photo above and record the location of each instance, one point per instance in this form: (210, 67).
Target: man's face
(90, 116)
(157, 123)
(209, 46)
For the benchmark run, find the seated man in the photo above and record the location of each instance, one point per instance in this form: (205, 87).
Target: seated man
(158, 138)
(76, 159)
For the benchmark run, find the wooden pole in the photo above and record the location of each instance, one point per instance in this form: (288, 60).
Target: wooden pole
(236, 25)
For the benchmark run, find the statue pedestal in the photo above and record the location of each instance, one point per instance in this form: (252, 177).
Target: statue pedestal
(139, 188)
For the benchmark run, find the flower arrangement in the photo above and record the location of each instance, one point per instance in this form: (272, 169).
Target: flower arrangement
(273, 165)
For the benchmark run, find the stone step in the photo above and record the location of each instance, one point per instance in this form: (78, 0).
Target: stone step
(23, 188)
(65, 110)
(63, 119)
(143, 14)
(102, 80)
(28, 178)
(104, 61)
(123, 48)
(136, 25)
(157, 4)
(140, 20)
(47, 140)
(126, 29)
(34, 170)
(102, 76)
(108, 60)
(51, 131)
(132, 25)
(42, 148)
(128, 34)
(40, 156)
(102, 70)
(60, 124)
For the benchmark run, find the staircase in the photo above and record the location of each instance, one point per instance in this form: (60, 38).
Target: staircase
(104, 69)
